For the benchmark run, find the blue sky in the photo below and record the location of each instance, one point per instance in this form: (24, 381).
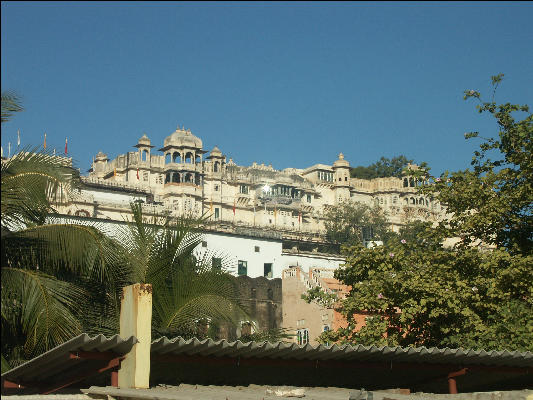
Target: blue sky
(291, 84)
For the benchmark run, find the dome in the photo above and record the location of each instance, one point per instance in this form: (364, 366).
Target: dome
(215, 152)
(182, 137)
(144, 141)
(101, 156)
(341, 162)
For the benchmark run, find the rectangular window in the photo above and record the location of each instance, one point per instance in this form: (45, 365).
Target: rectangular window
(267, 270)
(204, 243)
(216, 188)
(257, 249)
(242, 268)
(216, 263)
(309, 198)
(145, 176)
(303, 336)
(217, 213)
(243, 189)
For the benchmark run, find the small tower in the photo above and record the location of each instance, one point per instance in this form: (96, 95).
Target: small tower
(217, 160)
(341, 170)
(100, 164)
(144, 145)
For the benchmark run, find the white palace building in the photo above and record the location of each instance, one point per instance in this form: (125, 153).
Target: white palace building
(247, 203)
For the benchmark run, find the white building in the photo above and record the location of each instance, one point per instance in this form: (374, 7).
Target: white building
(181, 181)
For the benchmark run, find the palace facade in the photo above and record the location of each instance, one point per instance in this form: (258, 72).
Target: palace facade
(181, 178)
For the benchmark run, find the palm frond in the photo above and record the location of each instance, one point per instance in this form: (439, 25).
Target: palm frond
(77, 249)
(31, 182)
(44, 307)
(11, 103)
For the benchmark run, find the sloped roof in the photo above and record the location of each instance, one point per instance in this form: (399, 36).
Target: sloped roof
(58, 363)
(287, 351)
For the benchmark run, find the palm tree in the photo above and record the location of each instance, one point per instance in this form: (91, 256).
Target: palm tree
(39, 299)
(187, 290)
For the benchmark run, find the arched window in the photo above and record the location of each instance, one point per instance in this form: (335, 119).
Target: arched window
(168, 157)
(188, 157)
(176, 177)
(144, 156)
(197, 159)
(176, 157)
(406, 201)
(216, 166)
(405, 182)
(188, 177)
(413, 200)
(197, 179)
(82, 213)
(167, 177)
(411, 182)
(421, 201)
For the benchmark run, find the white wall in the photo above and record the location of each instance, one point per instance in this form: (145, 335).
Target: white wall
(112, 197)
(236, 248)
(309, 260)
(232, 248)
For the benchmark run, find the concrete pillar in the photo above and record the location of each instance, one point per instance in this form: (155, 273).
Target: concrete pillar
(136, 320)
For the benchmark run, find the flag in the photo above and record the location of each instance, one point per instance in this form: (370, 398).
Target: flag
(137, 173)
(44, 140)
(115, 171)
(66, 143)
(18, 137)
(234, 200)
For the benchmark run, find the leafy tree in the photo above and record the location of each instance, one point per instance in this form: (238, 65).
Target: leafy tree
(493, 202)
(420, 293)
(349, 223)
(383, 168)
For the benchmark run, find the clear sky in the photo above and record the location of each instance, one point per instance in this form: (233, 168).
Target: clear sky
(287, 84)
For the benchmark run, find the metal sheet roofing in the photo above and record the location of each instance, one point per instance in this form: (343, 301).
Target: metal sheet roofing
(357, 353)
(58, 360)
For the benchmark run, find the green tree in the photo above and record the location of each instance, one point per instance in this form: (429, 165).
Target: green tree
(383, 168)
(348, 223)
(420, 293)
(493, 201)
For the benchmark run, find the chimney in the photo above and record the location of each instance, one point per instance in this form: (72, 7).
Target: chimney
(136, 320)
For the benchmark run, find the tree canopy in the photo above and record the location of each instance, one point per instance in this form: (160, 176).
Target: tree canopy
(349, 223)
(383, 168)
(476, 294)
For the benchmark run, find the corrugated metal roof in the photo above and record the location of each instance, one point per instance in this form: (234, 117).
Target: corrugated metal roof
(58, 359)
(358, 353)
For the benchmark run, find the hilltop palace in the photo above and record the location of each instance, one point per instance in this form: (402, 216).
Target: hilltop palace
(184, 181)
